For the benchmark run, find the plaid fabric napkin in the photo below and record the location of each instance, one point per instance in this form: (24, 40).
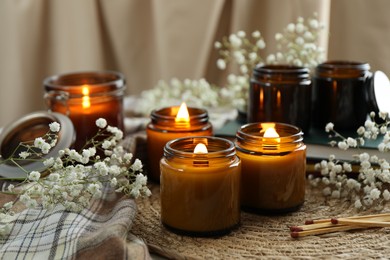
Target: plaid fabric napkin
(98, 232)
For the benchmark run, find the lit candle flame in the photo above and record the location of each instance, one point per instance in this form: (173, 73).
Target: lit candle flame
(200, 149)
(85, 103)
(182, 115)
(271, 132)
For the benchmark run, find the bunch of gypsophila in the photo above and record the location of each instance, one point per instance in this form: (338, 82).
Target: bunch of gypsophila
(297, 45)
(370, 187)
(73, 178)
(196, 93)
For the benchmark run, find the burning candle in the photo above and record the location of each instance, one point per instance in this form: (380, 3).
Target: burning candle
(200, 186)
(273, 159)
(85, 97)
(172, 123)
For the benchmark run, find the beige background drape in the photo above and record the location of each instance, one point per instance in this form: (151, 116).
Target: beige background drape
(149, 40)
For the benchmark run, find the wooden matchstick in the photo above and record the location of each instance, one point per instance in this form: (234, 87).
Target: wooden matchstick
(321, 231)
(361, 222)
(316, 221)
(313, 226)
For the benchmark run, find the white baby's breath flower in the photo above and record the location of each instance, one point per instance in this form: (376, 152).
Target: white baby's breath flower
(241, 34)
(45, 148)
(34, 176)
(38, 142)
(235, 41)
(291, 28)
(342, 145)
(24, 154)
(260, 44)
(101, 123)
(54, 127)
(221, 64)
(256, 34)
(137, 165)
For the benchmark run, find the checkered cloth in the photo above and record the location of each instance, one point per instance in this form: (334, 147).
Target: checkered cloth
(98, 232)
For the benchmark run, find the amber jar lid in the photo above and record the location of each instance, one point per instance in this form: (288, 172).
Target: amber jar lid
(281, 73)
(342, 69)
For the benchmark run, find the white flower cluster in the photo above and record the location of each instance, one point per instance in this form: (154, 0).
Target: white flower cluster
(241, 50)
(298, 44)
(371, 186)
(197, 93)
(75, 178)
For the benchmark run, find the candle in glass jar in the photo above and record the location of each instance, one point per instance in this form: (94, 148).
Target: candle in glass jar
(86, 97)
(200, 186)
(273, 159)
(172, 123)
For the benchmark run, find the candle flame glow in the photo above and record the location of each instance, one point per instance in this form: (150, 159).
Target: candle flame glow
(85, 103)
(200, 149)
(271, 132)
(182, 115)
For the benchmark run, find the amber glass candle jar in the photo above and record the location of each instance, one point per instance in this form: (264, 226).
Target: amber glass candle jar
(85, 97)
(165, 126)
(200, 187)
(280, 93)
(340, 94)
(273, 159)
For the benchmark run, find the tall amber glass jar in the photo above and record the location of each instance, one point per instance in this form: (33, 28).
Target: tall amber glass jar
(86, 97)
(200, 188)
(280, 93)
(273, 161)
(340, 94)
(164, 127)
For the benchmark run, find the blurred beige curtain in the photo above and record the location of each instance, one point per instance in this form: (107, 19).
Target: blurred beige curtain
(149, 40)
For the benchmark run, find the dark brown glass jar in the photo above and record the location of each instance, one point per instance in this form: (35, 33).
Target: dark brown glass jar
(280, 93)
(340, 94)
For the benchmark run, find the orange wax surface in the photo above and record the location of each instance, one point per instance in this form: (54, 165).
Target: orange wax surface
(273, 182)
(201, 198)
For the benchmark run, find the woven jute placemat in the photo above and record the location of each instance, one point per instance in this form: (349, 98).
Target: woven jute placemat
(261, 236)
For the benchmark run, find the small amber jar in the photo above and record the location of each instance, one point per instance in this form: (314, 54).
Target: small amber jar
(273, 167)
(164, 127)
(86, 97)
(200, 190)
(340, 94)
(280, 93)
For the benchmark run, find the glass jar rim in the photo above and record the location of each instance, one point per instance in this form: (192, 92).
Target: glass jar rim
(248, 134)
(163, 116)
(183, 147)
(98, 82)
(344, 64)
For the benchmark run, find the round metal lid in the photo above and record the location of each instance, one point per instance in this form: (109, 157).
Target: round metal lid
(26, 129)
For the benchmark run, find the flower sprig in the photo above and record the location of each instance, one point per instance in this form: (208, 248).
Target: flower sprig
(197, 93)
(370, 188)
(74, 178)
(298, 44)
